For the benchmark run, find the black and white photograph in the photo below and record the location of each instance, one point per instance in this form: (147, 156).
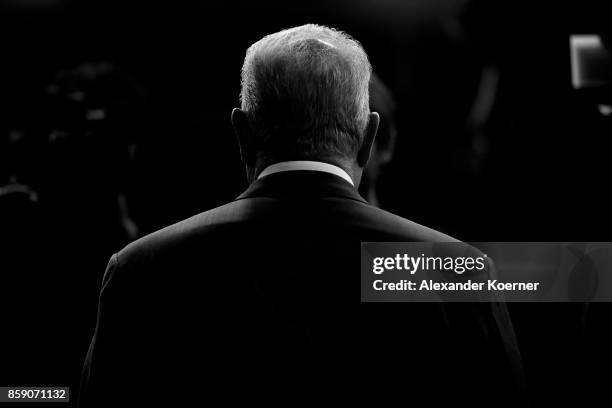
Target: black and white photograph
(390, 203)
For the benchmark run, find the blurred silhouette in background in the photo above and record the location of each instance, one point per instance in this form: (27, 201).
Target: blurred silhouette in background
(95, 118)
(381, 101)
(64, 208)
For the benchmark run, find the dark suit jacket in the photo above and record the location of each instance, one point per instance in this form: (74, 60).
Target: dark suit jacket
(257, 302)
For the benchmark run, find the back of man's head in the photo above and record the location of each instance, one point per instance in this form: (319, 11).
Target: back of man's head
(305, 94)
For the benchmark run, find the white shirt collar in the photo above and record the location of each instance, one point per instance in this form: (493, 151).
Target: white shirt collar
(305, 165)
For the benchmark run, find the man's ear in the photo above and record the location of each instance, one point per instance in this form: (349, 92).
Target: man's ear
(244, 134)
(368, 139)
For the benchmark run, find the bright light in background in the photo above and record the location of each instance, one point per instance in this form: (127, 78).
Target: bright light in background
(578, 43)
(605, 110)
(591, 62)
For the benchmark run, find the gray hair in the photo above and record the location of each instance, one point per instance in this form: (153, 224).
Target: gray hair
(305, 92)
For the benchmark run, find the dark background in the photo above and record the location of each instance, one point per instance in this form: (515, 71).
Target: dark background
(541, 175)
